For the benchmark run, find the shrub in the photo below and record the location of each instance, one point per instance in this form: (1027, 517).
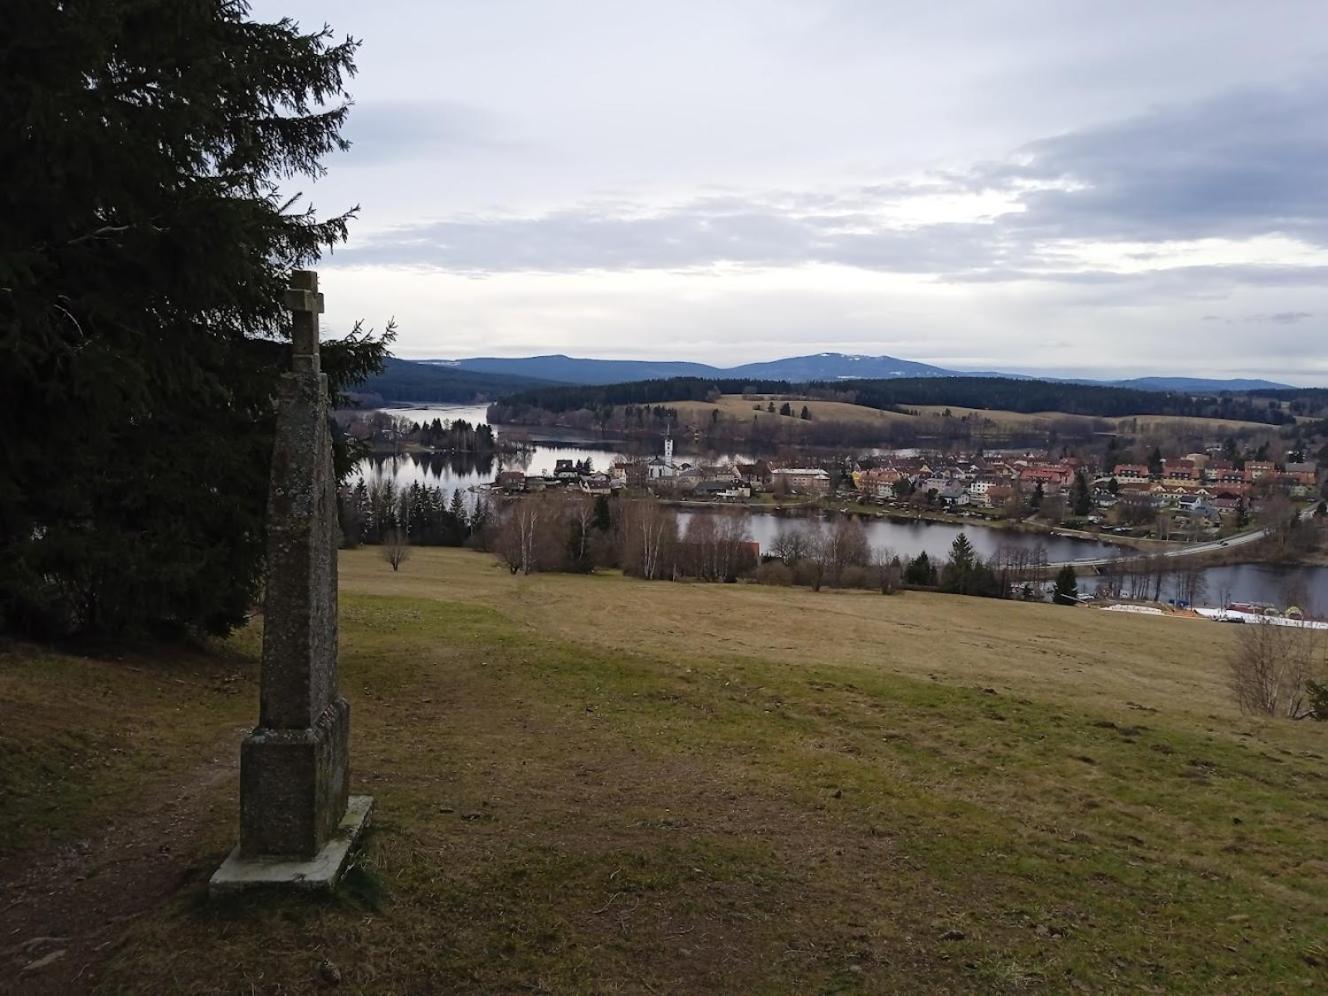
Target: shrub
(1272, 670)
(855, 576)
(808, 573)
(1318, 695)
(774, 572)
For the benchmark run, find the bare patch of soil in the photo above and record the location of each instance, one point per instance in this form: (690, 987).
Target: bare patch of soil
(64, 910)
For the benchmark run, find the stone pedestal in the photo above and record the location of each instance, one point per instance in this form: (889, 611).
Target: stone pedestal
(293, 785)
(294, 767)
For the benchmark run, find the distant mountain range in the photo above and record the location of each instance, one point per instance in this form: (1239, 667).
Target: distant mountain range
(1197, 384)
(487, 378)
(818, 366)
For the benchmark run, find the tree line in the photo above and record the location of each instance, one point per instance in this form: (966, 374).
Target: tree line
(380, 511)
(1002, 393)
(578, 533)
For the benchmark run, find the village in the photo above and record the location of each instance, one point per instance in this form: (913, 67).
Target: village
(1194, 497)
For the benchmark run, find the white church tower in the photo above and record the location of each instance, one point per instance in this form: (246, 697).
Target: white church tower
(663, 467)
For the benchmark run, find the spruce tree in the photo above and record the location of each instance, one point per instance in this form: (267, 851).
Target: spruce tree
(957, 575)
(458, 522)
(920, 570)
(1066, 590)
(603, 514)
(146, 238)
(1082, 500)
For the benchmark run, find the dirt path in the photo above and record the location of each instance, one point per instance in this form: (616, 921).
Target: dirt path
(64, 910)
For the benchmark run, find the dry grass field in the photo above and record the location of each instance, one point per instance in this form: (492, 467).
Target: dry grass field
(732, 407)
(596, 784)
(1144, 424)
(1160, 423)
(736, 407)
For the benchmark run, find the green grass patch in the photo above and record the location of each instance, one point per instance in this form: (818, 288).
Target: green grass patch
(556, 816)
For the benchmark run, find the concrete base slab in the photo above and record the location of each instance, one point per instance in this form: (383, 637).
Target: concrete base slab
(319, 873)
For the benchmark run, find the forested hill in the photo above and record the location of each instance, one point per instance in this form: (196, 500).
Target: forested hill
(901, 393)
(404, 380)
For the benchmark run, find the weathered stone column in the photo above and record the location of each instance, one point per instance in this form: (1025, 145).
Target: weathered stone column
(297, 821)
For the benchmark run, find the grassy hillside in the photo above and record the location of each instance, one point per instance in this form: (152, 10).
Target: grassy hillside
(594, 784)
(738, 408)
(1140, 423)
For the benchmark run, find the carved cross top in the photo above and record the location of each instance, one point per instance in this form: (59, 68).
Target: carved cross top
(305, 304)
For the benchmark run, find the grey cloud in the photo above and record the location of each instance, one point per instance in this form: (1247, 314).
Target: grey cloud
(1244, 164)
(1281, 317)
(383, 131)
(1217, 275)
(1099, 288)
(698, 234)
(1248, 162)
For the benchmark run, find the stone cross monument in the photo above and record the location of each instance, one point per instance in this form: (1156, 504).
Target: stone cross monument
(297, 819)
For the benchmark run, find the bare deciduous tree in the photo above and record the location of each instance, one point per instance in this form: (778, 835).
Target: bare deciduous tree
(1270, 666)
(1190, 582)
(650, 535)
(887, 570)
(396, 547)
(792, 544)
(518, 530)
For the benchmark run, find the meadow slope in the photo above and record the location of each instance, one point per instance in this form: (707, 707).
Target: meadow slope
(596, 784)
(734, 407)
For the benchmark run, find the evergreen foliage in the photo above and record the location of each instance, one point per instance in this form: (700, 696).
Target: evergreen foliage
(966, 574)
(920, 570)
(144, 249)
(423, 514)
(1066, 590)
(1080, 498)
(430, 383)
(1155, 462)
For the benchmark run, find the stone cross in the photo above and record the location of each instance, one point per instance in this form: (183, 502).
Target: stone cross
(297, 820)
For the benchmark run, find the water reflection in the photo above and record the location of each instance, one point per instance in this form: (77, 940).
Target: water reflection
(466, 470)
(446, 470)
(1280, 585)
(912, 537)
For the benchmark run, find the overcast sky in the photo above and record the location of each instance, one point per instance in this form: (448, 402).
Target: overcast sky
(1084, 188)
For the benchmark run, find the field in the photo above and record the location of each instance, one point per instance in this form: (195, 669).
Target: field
(733, 406)
(596, 784)
(1133, 423)
(737, 408)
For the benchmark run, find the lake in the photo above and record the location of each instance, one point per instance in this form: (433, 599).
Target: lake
(545, 448)
(1279, 585)
(910, 538)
